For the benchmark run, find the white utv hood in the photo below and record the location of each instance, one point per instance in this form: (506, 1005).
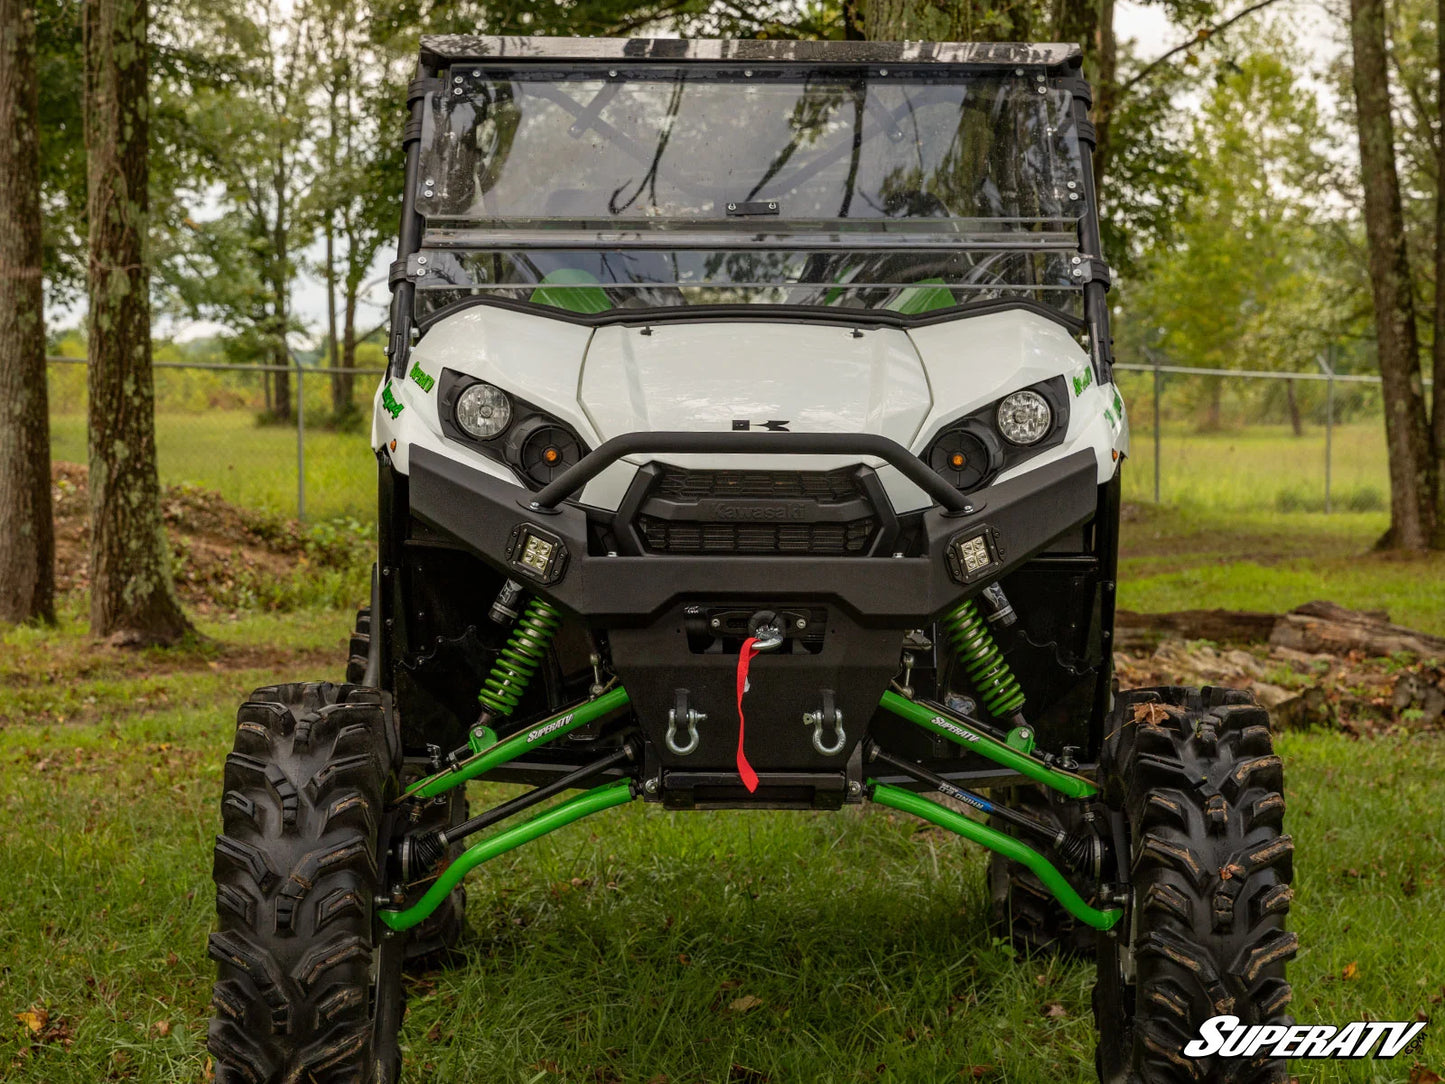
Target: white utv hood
(726, 375)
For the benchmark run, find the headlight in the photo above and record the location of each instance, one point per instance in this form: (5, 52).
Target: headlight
(483, 411)
(1024, 417)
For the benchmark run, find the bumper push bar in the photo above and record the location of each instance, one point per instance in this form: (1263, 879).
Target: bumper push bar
(956, 728)
(574, 478)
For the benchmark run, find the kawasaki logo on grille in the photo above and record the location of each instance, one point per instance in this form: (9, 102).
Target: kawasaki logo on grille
(761, 510)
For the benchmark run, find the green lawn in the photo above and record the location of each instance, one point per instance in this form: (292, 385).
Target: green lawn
(643, 946)
(249, 464)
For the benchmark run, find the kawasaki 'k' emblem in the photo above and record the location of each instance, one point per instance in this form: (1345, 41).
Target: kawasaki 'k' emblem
(743, 425)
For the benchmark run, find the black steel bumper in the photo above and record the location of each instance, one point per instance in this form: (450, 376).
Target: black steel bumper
(1020, 517)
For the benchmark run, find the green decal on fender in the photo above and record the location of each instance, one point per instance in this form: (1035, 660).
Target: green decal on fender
(389, 403)
(420, 376)
(1082, 381)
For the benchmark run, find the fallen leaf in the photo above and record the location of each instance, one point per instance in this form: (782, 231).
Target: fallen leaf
(744, 1003)
(1151, 714)
(547, 1065)
(34, 1018)
(684, 959)
(172, 959)
(1351, 971)
(978, 1072)
(660, 1078)
(1054, 1009)
(1421, 1075)
(161, 1028)
(742, 1074)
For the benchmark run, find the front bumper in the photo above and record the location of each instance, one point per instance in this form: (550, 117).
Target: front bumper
(1020, 517)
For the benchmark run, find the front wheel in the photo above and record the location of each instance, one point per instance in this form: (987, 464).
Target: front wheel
(1201, 791)
(306, 987)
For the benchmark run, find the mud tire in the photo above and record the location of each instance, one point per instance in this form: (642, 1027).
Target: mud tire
(1022, 909)
(305, 989)
(1195, 774)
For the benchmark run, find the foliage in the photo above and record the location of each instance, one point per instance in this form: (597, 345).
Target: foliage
(1251, 235)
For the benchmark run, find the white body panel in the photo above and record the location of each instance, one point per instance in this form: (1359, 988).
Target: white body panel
(704, 376)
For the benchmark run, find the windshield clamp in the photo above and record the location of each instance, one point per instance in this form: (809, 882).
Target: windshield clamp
(1090, 269)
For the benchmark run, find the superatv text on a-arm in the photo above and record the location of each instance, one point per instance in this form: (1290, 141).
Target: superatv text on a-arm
(749, 440)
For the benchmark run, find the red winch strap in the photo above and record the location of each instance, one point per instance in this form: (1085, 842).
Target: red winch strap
(745, 656)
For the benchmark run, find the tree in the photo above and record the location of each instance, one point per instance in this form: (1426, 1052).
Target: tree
(132, 597)
(1413, 470)
(1246, 238)
(27, 542)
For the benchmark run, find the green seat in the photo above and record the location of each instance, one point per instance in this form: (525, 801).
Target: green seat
(926, 296)
(572, 289)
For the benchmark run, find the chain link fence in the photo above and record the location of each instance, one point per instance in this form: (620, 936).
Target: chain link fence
(1231, 440)
(217, 428)
(1255, 440)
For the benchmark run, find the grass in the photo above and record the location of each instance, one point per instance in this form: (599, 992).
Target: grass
(643, 946)
(250, 464)
(1176, 558)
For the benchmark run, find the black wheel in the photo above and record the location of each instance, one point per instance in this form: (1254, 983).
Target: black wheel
(1201, 790)
(360, 647)
(1023, 910)
(306, 988)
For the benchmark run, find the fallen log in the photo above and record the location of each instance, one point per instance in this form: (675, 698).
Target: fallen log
(1326, 628)
(1315, 628)
(1221, 626)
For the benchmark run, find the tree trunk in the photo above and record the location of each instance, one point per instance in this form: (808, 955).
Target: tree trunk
(132, 598)
(927, 20)
(1296, 423)
(1438, 366)
(27, 541)
(1407, 434)
(281, 292)
(340, 400)
(348, 342)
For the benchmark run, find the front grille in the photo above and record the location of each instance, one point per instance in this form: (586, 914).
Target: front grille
(688, 486)
(783, 539)
(757, 512)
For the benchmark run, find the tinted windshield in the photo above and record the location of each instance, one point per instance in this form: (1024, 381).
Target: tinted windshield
(695, 185)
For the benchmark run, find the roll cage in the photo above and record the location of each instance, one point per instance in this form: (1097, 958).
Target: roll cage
(901, 266)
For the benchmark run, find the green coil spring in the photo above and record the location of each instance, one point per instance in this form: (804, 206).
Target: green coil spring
(519, 658)
(984, 663)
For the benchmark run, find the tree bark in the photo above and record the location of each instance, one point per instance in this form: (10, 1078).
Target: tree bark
(1438, 366)
(1296, 422)
(132, 597)
(1407, 434)
(926, 20)
(27, 540)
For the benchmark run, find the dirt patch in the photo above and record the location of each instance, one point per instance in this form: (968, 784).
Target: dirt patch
(222, 553)
(1355, 693)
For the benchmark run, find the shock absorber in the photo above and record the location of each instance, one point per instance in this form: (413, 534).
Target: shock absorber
(983, 662)
(518, 660)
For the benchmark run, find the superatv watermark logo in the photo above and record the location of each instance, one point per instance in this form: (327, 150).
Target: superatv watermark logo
(1226, 1037)
(953, 728)
(543, 731)
(743, 425)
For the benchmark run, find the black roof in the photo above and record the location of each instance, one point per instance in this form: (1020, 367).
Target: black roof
(442, 50)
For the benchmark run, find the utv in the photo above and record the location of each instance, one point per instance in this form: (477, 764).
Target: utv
(749, 441)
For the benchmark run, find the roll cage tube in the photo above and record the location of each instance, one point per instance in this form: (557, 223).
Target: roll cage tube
(909, 465)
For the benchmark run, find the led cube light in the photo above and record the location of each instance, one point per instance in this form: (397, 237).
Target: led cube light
(537, 553)
(974, 555)
(973, 552)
